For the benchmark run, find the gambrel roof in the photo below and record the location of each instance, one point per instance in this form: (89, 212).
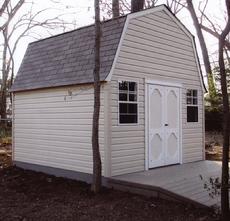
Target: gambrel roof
(68, 59)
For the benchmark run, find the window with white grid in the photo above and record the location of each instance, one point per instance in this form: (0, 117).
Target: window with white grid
(192, 105)
(128, 105)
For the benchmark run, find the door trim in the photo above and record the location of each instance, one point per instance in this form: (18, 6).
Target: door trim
(162, 83)
(146, 128)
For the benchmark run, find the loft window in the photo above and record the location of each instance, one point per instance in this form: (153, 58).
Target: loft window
(192, 106)
(128, 106)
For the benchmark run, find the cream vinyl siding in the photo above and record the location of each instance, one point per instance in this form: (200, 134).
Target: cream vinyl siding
(127, 141)
(52, 127)
(154, 47)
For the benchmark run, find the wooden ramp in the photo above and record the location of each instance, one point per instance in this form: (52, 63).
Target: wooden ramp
(179, 182)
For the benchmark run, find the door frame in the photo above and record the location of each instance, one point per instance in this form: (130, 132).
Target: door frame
(168, 84)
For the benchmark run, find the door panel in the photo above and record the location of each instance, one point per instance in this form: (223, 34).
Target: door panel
(172, 130)
(156, 139)
(172, 106)
(156, 148)
(164, 140)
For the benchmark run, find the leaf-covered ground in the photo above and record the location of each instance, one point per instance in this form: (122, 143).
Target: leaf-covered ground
(213, 146)
(5, 156)
(27, 195)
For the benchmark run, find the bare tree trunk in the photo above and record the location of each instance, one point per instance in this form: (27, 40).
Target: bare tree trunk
(211, 85)
(137, 5)
(3, 115)
(226, 122)
(115, 8)
(96, 184)
(3, 91)
(3, 110)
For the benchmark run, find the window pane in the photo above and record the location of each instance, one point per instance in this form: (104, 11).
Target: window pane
(189, 93)
(123, 85)
(132, 86)
(132, 108)
(194, 101)
(127, 119)
(128, 110)
(189, 100)
(192, 97)
(128, 113)
(123, 97)
(192, 114)
(194, 93)
(123, 108)
(132, 97)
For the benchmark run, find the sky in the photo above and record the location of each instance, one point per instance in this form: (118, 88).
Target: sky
(76, 12)
(81, 12)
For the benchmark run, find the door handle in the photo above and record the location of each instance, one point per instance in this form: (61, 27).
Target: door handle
(166, 125)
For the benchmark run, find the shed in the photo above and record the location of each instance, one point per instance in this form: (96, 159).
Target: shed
(152, 112)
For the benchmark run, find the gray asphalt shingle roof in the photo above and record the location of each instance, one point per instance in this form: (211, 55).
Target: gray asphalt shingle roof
(68, 59)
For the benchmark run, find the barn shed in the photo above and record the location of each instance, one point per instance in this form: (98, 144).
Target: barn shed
(152, 112)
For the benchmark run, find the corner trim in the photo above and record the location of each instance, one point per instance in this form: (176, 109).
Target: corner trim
(13, 126)
(107, 131)
(146, 128)
(181, 125)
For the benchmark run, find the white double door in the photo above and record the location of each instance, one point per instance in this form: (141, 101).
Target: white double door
(164, 125)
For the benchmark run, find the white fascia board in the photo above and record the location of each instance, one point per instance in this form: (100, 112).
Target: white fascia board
(130, 16)
(198, 66)
(109, 76)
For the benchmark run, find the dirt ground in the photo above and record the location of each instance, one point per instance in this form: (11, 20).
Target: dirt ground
(27, 195)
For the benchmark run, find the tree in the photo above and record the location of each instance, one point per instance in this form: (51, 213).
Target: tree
(16, 24)
(226, 121)
(223, 72)
(216, 72)
(115, 8)
(137, 5)
(214, 29)
(110, 9)
(96, 184)
(215, 34)
(204, 50)
(6, 8)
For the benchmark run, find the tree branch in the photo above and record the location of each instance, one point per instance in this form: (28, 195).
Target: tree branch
(3, 7)
(216, 35)
(12, 12)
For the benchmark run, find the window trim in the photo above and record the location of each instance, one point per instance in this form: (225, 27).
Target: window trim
(192, 105)
(132, 102)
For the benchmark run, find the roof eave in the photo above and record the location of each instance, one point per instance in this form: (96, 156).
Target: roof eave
(50, 87)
